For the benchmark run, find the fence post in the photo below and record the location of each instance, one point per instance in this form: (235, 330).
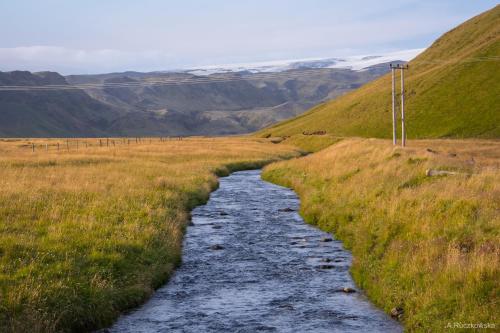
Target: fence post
(33, 147)
(46, 147)
(58, 146)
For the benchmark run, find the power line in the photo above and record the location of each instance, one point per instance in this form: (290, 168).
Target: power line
(169, 81)
(290, 74)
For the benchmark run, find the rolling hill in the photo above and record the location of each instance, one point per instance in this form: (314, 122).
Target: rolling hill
(452, 90)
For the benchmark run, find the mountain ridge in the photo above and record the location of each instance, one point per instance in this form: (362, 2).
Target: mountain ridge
(126, 105)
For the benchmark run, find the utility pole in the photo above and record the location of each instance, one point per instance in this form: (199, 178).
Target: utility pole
(402, 68)
(403, 130)
(394, 135)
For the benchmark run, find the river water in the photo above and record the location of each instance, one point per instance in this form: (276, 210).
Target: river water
(251, 264)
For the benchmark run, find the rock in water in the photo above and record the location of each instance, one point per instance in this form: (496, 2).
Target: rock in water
(348, 290)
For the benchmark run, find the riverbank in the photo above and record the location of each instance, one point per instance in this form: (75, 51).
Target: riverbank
(250, 264)
(90, 229)
(424, 247)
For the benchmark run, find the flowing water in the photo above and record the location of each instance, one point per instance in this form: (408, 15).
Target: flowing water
(251, 264)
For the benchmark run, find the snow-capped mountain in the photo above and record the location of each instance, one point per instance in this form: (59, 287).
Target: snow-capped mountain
(351, 62)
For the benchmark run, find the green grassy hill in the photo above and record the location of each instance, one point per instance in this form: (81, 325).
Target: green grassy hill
(452, 90)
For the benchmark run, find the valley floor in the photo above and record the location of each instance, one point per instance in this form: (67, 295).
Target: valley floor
(425, 247)
(89, 229)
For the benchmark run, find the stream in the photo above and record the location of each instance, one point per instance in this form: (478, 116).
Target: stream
(251, 264)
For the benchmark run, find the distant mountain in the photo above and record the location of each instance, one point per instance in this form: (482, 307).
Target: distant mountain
(50, 113)
(452, 90)
(353, 63)
(224, 101)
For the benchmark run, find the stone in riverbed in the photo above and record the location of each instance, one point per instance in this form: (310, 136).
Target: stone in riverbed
(286, 210)
(346, 290)
(216, 247)
(326, 239)
(326, 266)
(397, 313)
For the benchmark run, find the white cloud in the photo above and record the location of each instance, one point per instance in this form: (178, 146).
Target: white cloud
(77, 61)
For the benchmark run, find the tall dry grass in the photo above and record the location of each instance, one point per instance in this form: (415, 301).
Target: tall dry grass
(429, 245)
(87, 233)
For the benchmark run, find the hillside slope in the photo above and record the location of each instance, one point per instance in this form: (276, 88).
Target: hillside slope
(49, 113)
(225, 103)
(228, 103)
(452, 90)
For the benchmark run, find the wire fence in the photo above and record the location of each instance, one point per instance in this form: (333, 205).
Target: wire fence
(65, 145)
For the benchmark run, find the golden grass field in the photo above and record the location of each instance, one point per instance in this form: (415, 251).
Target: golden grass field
(429, 245)
(87, 233)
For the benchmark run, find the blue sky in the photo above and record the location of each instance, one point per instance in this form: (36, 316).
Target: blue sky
(93, 36)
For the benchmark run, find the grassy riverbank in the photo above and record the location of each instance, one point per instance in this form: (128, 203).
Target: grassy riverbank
(429, 245)
(87, 233)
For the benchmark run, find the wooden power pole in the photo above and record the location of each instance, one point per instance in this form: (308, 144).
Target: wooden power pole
(403, 130)
(402, 68)
(394, 119)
